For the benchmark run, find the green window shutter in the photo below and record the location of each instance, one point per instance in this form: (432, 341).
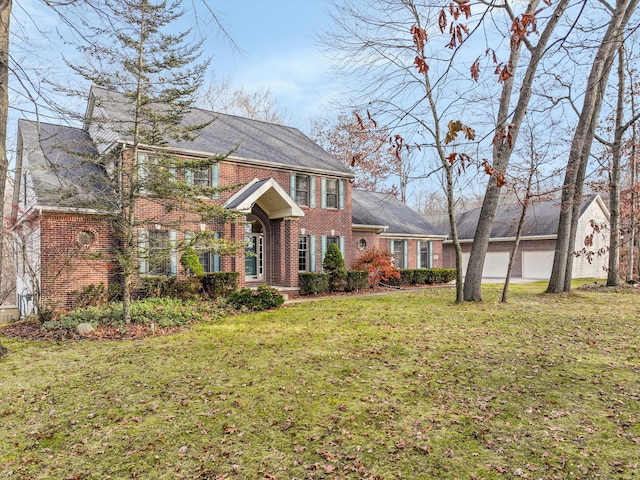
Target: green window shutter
(341, 194)
(405, 248)
(292, 186)
(188, 177)
(323, 244)
(323, 192)
(173, 253)
(418, 250)
(216, 258)
(312, 191)
(215, 179)
(430, 254)
(341, 245)
(143, 247)
(312, 253)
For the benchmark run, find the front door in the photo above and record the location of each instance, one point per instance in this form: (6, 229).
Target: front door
(254, 258)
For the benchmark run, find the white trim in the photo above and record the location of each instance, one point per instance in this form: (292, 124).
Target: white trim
(402, 236)
(369, 228)
(243, 160)
(509, 239)
(290, 211)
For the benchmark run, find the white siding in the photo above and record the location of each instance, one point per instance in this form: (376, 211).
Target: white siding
(581, 266)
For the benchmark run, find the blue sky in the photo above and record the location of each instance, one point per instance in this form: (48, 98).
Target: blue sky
(278, 49)
(280, 52)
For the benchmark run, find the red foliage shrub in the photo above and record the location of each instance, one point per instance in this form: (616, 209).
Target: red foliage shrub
(379, 264)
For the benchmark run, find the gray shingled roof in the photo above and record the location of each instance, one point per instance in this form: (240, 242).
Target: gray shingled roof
(255, 140)
(372, 208)
(60, 166)
(541, 220)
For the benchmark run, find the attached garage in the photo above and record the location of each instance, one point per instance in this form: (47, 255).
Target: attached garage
(495, 264)
(537, 264)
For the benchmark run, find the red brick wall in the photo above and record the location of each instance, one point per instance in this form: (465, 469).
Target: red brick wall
(67, 266)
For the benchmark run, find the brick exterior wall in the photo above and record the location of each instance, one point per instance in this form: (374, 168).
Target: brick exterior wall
(76, 251)
(95, 263)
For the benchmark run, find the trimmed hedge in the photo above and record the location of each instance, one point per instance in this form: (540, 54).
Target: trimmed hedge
(264, 298)
(220, 284)
(311, 283)
(357, 280)
(156, 287)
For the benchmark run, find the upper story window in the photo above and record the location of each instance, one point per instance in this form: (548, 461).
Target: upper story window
(302, 190)
(207, 178)
(331, 193)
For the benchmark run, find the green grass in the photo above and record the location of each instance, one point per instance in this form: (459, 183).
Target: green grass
(404, 385)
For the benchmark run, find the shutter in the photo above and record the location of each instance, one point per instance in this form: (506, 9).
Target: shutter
(323, 244)
(215, 179)
(312, 253)
(216, 258)
(405, 251)
(143, 247)
(341, 194)
(323, 192)
(173, 253)
(430, 254)
(341, 245)
(418, 252)
(292, 186)
(188, 177)
(312, 191)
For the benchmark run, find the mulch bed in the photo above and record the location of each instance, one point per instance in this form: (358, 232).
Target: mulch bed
(32, 330)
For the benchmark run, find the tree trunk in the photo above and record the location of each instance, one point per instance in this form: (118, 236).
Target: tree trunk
(502, 151)
(5, 17)
(613, 275)
(581, 147)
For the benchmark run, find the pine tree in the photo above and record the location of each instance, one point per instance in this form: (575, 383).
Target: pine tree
(157, 74)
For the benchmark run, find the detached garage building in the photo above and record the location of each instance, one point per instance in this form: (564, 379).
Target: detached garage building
(534, 258)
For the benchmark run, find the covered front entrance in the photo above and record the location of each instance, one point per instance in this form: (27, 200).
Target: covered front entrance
(270, 233)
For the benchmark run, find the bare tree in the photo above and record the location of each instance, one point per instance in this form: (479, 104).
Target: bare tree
(221, 97)
(507, 127)
(576, 166)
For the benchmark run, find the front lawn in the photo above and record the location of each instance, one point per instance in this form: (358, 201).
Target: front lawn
(403, 385)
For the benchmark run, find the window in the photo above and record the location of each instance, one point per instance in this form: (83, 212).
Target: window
(303, 254)
(202, 177)
(159, 253)
(362, 244)
(397, 248)
(206, 178)
(302, 190)
(331, 240)
(209, 262)
(425, 255)
(331, 193)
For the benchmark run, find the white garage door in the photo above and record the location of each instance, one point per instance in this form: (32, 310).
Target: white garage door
(495, 264)
(537, 264)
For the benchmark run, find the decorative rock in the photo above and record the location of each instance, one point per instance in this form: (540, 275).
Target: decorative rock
(84, 328)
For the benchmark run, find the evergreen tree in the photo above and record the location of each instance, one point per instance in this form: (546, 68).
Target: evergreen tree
(157, 75)
(334, 265)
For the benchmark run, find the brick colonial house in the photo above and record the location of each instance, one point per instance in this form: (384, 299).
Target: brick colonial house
(534, 258)
(295, 199)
